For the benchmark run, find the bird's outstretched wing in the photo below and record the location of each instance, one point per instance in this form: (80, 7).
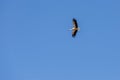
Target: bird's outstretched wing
(75, 23)
(74, 33)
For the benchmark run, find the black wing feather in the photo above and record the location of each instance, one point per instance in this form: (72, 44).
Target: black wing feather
(75, 23)
(74, 33)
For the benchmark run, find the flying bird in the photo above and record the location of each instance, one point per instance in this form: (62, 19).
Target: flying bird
(75, 28)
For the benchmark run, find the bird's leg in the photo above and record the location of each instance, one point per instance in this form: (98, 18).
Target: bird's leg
(69, 29)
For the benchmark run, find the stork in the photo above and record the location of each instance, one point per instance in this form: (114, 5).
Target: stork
(75, 28)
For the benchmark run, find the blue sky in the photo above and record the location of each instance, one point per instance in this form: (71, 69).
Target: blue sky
(35, 42)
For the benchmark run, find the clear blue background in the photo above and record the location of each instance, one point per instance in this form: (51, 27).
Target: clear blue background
(35, 43)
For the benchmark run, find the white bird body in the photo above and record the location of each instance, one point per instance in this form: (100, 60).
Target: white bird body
(75, 28)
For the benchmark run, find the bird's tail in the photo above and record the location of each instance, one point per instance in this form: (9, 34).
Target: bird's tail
(78, 29)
